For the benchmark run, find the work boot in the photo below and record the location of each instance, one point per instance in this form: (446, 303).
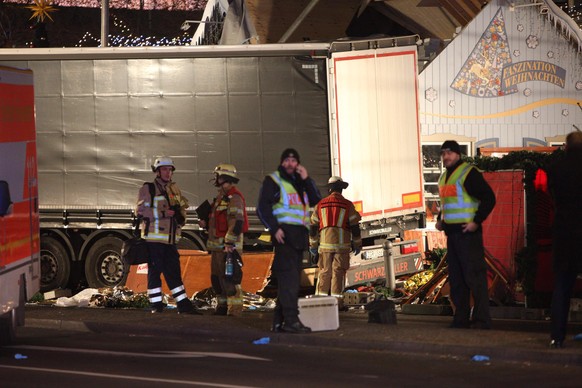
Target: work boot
(296, 327)
(157, 307)
(191, 311)
(234, 310)
(221, 309)
(185, 307)
(277, 328)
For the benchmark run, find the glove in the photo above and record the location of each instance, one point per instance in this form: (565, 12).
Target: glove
(180, 220)
(314, 255)
(357, 249)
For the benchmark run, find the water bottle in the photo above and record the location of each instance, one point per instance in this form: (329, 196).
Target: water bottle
(229, 265)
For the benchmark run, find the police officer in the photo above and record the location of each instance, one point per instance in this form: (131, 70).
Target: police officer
(162, 210)
(228, 220)
(334, 232)
(466, 201)
(284, 202)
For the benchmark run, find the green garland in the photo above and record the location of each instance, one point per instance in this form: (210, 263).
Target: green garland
(529, 162)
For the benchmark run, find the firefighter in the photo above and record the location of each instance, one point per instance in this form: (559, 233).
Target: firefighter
(228, 220)
(162, 210)
(334, 232)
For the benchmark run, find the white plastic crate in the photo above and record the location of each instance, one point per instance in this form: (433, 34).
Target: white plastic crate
(320, 313)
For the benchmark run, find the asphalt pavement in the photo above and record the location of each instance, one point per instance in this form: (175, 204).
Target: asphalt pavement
(516, 340)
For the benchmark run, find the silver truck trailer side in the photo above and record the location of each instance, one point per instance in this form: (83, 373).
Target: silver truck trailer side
(104, 114)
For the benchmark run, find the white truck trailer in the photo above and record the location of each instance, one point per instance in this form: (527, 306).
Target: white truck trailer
(104, 114)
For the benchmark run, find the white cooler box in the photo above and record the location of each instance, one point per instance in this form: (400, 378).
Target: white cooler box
(320, 313)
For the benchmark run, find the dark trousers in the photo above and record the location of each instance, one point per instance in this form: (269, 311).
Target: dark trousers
(564, 284)
(287, 270)
(468, 274)
(165, 259)
(221, 286)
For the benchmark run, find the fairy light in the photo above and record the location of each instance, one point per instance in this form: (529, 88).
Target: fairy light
(574, 12)
(125, 38)
(168, 5)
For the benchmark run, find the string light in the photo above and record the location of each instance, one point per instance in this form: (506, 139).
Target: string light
(126, 38)
(168, 5)
(573, 12)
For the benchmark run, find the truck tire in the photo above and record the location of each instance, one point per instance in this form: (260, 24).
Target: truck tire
(55, 264)
(104, 266)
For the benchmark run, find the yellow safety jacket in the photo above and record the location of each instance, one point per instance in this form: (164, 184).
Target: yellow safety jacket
(458, 207)
(290, 209)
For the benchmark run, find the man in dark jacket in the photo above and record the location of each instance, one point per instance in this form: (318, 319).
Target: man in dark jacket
(466, 201)
(565, 185)
(284, 208)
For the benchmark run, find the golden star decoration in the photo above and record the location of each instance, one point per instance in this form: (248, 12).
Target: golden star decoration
(41, 9)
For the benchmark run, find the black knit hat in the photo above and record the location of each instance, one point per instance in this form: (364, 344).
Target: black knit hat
(452, 146)
(290, 153)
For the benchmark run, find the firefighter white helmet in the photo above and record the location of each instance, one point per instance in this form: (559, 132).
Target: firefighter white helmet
(161, 162)
(337, 182)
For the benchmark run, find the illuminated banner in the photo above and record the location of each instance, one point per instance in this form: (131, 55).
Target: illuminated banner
(516, 73)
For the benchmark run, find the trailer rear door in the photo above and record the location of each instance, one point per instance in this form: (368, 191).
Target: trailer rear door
(375, 133)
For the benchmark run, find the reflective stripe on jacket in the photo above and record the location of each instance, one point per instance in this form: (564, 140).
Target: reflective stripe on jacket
(156, 226)
(290, 209)
(227, 209)
(458, 207)
(334, 216)
(332, 212)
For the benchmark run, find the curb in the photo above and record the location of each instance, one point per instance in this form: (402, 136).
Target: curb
(248, 335)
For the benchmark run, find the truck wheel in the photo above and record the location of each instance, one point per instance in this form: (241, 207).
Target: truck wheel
(55, 265)
(104, 266)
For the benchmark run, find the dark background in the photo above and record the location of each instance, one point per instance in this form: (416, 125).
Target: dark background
(71, 25)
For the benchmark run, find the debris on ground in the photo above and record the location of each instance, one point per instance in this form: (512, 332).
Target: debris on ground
(123, 297)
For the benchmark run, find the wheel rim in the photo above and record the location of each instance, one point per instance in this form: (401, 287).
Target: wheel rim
(111, 268)
(49, 267)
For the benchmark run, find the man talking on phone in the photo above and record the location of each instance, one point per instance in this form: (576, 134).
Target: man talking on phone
(285, 200)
